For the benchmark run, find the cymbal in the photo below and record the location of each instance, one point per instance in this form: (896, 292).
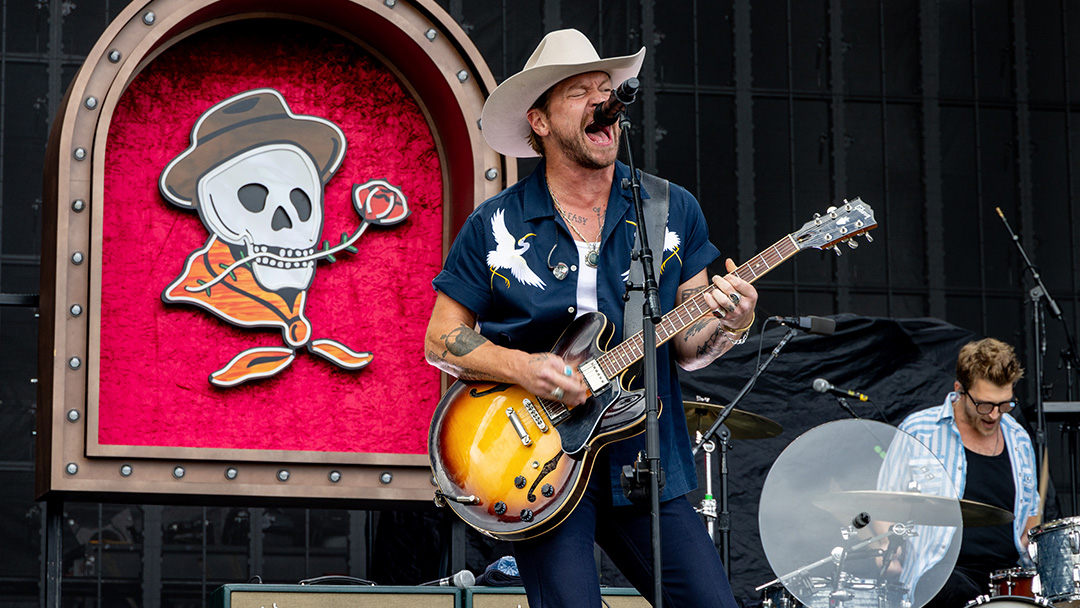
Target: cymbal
(926, 509)
(700, 416)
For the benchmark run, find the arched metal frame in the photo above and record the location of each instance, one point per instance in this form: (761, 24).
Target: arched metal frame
(433, 59)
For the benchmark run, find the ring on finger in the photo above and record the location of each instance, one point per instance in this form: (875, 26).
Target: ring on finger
(735, 297)
(557, 393)
(568, 371)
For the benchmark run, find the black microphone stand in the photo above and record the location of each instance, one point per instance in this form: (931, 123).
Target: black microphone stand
(725, 517)
(1040, 295)
(650, 316)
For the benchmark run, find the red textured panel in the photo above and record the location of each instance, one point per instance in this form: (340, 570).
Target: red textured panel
(156, 358)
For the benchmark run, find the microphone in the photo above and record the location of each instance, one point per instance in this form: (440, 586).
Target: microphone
(460, 580)
(822, 385)
(607, 113)
(818, 326)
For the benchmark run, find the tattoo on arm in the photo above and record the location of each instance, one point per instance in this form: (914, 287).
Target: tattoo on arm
(463, 373)
(686, 294)
(710, 343)
(461, 341)
(696, 328)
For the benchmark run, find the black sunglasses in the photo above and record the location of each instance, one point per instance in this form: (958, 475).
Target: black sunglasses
(985, 407)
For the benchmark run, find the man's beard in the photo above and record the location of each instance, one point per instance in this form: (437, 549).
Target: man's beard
(576, 150)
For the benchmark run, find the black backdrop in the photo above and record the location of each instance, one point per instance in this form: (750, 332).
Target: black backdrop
(768, 110)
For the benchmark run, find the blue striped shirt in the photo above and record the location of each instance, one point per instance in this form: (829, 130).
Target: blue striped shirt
(936, 428)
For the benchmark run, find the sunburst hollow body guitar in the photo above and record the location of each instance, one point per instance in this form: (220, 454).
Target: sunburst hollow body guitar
(514, 465)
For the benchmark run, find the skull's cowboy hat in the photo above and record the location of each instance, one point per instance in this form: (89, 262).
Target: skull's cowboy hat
(560, 55)
(243, 122)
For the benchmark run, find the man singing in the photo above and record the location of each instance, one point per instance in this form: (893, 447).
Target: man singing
(557, 245)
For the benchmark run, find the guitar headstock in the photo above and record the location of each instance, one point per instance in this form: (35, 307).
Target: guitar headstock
(843, 223)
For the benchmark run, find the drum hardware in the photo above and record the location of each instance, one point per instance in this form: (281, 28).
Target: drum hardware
(736, 424)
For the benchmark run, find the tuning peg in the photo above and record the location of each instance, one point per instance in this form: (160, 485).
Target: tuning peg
(869, 239)
(852, 243)
(830, 210)
(836, 249)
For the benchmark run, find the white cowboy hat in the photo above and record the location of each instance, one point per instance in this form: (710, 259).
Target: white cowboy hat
(560, 55)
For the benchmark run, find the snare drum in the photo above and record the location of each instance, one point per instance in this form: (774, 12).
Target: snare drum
(776, 596)
(1014, 581)
(856, 593)
(1055, 547)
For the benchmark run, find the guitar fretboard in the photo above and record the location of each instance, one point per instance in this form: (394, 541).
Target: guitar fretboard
(629, 352)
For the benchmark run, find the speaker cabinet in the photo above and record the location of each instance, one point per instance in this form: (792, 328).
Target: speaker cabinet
(514, 597)
(334, 596)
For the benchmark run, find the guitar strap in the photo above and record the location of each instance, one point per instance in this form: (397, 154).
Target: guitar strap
(656, 213)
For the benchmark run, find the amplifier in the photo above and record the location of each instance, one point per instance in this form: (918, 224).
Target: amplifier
(514, 597)
(333, 596)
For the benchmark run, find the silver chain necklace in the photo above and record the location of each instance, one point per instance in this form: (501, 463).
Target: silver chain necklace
(592, 258)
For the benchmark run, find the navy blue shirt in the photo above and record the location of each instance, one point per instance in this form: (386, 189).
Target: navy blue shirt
(500, 267)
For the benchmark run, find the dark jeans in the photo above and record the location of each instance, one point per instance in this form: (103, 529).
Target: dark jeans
(559, 571)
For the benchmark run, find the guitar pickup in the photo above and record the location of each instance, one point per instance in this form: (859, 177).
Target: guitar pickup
(595, 378)
(518, 427)
(540, 424)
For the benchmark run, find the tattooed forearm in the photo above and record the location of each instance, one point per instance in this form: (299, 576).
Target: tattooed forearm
(686, 294)
(462, 373)
(461, 341)
(712, 344)
(696, 328)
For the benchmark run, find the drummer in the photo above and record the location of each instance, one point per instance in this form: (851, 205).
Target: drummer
(991, 460)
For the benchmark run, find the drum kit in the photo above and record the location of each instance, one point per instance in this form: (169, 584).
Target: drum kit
(847, 499)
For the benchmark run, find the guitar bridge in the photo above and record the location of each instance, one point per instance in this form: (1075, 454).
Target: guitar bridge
(595, 378)
(540, 424)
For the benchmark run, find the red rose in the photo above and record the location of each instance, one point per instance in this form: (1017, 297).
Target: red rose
(380, 203)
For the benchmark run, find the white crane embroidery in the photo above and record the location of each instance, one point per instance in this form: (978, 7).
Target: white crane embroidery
(671, 243)
(508, 253)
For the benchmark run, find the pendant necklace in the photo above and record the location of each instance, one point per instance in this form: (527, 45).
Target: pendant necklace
(592, 258)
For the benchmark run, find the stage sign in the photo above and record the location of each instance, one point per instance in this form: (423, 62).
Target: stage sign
(244, 212)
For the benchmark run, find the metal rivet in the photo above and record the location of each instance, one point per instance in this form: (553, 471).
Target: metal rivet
(491, 174)
(462, 76)
(80, 154)
(149, 17)
(72, 468)
(334, 476)
(231, 473)
(74, 363)
(283, 475)
(178, 472)
(76, 310)
(77, 258)
(431, 34)
(73, 415)
(570, 309)
(386, 477)
(390, 3)
(91, 103)
(78, 205)
(125, 470)
(535, 464)
(114, 56)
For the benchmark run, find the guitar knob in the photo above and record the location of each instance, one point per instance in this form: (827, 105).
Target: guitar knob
(519, 482)
(526, 515)
(547, 490)
(500, 508)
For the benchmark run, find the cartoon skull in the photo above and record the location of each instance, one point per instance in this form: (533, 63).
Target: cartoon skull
(269, 201)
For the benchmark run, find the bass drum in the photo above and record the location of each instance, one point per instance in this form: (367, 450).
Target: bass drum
(1007, 601)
